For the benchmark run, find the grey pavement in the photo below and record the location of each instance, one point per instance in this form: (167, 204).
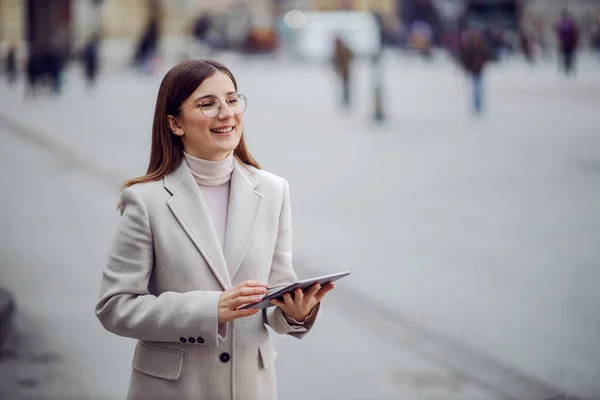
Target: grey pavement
(473, 242)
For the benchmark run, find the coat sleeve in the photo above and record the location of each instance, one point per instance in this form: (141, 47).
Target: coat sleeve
(127, 308)
(282, 272)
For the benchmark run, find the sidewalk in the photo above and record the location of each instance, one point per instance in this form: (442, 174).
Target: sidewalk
(85, 143)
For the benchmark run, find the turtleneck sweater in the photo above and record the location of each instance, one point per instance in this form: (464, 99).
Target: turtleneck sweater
(213, 178)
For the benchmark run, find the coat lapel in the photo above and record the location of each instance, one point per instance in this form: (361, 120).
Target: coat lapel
(244, 209)
(191, 212)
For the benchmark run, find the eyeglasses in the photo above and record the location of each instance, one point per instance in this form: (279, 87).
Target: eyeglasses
(210, 106)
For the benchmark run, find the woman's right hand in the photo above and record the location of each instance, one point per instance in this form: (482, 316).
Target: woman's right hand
(244, 293)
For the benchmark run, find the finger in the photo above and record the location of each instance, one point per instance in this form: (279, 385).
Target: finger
(244, 313)
(277, 303)
(240, 289)
(240, 301)
(298, 296)
(313, 290)
(251, 284)
(287, 299)
(324, 290)
(249, 291)
(328, 287)
(310, 295)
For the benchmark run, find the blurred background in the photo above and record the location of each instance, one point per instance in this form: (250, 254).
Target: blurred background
(447, 152)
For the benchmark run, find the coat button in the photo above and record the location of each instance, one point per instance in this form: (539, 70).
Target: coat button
(182, 339)
(224, 357)
(192, 340)
(200, 340)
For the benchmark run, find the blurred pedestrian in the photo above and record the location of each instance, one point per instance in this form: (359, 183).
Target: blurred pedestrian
(595, 37)
(568, 38)
(474, 56)
(34, 71)
(377, 68)
(342, 60)
(201, 27)
(147, 46)
(90, 58)
(11, 64)
(52, 69)
(43, 70)
(203, 233)
(526, 43)
(201, 30)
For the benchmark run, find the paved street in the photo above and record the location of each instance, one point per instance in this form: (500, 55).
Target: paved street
(473, 242)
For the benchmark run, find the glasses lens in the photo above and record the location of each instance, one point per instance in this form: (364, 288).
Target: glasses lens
(237, 103)
(210, 107)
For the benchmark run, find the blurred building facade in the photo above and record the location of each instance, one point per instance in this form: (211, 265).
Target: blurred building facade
(121, 23)
(125, 19)
(32, 23)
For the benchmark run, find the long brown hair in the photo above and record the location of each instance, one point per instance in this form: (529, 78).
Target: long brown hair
(179, 83)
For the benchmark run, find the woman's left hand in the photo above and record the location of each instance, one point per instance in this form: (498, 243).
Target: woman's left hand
(302, 303)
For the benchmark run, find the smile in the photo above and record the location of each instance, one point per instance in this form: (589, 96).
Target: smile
(222, 130)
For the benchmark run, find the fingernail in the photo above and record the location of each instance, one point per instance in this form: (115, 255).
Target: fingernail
(258, 298)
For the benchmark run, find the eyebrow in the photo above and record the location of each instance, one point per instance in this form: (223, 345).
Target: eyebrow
(212, 95)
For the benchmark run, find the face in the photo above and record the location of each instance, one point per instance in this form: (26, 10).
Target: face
(204, 137)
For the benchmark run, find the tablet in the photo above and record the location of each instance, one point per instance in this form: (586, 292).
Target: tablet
(278, 291)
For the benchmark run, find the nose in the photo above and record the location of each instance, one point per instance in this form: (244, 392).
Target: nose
(225, 112)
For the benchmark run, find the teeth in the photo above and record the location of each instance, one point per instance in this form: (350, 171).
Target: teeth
(226, 130)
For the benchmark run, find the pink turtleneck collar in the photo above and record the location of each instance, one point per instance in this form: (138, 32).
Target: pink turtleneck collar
(210, 173)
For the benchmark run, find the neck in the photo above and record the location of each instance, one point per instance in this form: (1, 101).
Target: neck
(210, 173)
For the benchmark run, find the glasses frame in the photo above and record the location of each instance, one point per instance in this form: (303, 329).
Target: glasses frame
(220, 102)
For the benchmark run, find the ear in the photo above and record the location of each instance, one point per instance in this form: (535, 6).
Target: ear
(175, 126)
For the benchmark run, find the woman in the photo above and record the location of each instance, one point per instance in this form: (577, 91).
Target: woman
(204, 232)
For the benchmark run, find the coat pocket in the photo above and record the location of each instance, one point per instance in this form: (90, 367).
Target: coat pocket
(157, 361)
(266, 348)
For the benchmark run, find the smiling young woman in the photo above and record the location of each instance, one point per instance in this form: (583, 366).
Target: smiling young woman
(181, 83)
(203, 233)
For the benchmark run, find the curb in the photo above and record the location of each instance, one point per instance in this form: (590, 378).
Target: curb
(7, 309)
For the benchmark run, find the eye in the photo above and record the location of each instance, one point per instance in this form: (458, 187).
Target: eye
(233, 100)
(207, 104)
